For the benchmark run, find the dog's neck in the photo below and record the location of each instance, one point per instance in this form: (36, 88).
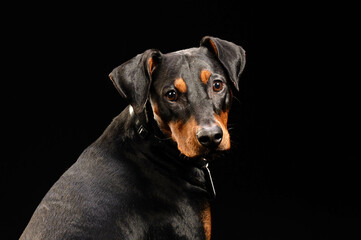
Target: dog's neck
(158, 147)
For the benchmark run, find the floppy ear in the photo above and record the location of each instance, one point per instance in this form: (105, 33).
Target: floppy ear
(231, 56)
(133, 78)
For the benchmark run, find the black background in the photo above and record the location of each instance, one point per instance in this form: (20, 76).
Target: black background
(293, 170)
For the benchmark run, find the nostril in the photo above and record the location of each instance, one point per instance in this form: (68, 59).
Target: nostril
(204, 140)
(218, 137)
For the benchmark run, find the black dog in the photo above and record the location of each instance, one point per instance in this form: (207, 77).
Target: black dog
(146, 176)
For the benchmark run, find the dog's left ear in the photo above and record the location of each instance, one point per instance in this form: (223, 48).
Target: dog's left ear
(231, 56)
(133, 78)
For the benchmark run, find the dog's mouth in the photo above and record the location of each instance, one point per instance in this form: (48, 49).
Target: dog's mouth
(193, 142)
(208, 154)
(212, 154)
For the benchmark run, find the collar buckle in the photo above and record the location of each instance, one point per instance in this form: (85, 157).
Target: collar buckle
(209, 180)
(140, 128)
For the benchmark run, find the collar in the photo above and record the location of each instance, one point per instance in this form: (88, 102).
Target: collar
(140, 122)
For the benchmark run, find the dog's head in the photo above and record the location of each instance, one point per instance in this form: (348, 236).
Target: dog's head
(190, 92)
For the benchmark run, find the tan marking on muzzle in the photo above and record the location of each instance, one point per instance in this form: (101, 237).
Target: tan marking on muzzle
(184, 134)
(222, 120)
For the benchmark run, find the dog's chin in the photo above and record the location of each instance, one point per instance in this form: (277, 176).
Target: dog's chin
(197, 151)
(208, 154)
(213, 155)
(202, 160)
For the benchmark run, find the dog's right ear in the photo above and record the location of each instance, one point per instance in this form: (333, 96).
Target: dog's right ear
(230, 55)
(133, 78)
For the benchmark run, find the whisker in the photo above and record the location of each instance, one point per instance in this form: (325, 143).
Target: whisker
(162, 139)
(235, 98)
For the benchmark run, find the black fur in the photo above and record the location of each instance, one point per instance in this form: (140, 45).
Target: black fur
(131, 185)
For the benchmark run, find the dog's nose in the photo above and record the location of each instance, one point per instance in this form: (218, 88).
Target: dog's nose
(210, 136)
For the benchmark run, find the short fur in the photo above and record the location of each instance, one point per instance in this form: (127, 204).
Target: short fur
(134, 182)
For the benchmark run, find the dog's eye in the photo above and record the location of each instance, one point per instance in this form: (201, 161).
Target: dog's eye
(171, 95)
(217, 85)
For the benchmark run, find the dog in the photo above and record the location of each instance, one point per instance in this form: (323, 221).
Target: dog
(146, 176)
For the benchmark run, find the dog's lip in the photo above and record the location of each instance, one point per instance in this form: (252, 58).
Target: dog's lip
(209, 154)
(206, 153)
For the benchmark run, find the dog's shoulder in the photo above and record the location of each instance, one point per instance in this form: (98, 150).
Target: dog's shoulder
(98, 186)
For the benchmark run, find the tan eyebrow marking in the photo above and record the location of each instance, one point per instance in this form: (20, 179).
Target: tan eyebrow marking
(205, 74)
(180, 85)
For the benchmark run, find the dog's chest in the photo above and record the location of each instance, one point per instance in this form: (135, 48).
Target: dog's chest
(173, 213)
(186, 223)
